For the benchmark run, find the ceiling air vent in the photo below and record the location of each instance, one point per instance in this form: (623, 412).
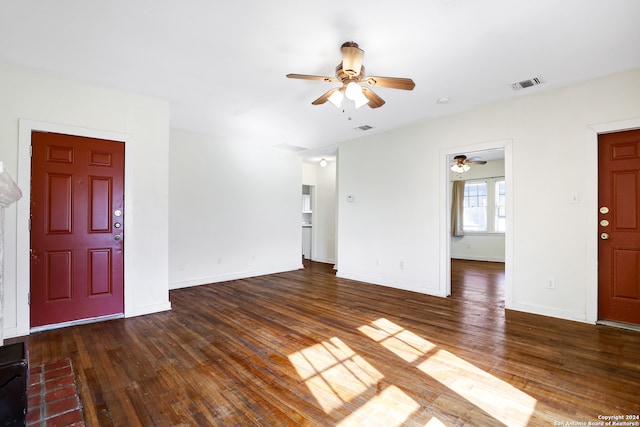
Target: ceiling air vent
(527, 83)
(364, 127)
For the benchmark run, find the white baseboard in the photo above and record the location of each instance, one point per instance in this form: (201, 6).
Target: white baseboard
(559, 313)
(477, 258)
(233, 276)
(148, 309)
(324, 261)
(390, 283)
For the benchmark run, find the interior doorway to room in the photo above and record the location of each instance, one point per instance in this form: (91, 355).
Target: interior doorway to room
(619, 227)
(478, 209)
(77, 224)
(308, 202)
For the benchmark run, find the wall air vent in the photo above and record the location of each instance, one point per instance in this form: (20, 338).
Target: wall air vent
(527, 83)
(364, 127)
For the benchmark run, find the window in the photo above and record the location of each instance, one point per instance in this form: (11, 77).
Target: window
(485, 208)
(475, 206)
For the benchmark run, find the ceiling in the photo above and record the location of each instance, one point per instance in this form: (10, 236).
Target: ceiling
(222, 65)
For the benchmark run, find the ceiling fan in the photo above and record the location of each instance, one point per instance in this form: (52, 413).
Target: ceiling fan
(461, 163)
(350, 72)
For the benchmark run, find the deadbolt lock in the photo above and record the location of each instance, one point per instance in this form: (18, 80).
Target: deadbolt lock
(117, 237)
(604, 223)
(604, 236)
(604, 210)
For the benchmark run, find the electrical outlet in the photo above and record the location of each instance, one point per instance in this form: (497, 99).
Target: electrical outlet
(551, 283)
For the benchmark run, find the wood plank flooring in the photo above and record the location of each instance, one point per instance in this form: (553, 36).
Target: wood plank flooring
(307, 348)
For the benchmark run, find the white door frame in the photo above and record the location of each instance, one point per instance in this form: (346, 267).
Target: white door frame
(445, 212)
(591, 231)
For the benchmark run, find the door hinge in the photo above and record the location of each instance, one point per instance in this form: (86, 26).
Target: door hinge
(31, 151)
(29, 298)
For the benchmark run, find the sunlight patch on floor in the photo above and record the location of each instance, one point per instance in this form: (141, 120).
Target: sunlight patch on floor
(404, 344)
(497, 398)
(391, 407)
(334, 373)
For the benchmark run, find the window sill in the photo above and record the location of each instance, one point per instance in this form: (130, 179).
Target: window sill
(483, 233)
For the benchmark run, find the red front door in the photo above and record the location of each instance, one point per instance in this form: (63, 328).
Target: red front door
(77, 210)
(619, 227)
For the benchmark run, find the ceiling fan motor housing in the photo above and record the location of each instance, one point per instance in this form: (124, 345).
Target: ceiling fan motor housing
(352, 59)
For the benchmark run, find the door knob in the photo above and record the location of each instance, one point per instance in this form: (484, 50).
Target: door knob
(604, 210)
(604, 236)
(604, 223)
(119, 237)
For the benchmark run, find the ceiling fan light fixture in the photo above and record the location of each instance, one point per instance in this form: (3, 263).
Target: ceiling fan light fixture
(354, 92)
(336, 98)
(361, 100)
(460, 168)
(350, 72)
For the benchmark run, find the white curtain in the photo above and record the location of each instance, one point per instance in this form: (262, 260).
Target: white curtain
(457, 209)
(9, 193)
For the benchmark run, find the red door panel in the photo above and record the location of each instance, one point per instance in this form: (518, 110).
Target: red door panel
(76, 261)
(619, 227)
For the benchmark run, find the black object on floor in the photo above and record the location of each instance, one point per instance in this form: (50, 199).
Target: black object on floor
(14, 373)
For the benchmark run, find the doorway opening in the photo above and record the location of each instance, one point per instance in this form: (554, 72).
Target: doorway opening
(308, 203)
(477, 241)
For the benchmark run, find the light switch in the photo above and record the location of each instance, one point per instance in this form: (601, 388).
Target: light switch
(350, 198)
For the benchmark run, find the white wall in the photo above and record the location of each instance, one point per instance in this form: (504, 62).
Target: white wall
(31, 100)
(479, 246)
(234, 210)
(399, 213)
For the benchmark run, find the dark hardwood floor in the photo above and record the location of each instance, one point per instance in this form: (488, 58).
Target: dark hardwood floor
(307, 348)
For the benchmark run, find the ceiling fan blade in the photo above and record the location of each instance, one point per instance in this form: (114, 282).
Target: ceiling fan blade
(391, 82)
(374, 100)
(324, 98)
(352, 58)
(311, 77)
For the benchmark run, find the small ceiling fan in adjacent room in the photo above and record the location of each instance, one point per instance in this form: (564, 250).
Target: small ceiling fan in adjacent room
(350, 72)
(461, 163)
